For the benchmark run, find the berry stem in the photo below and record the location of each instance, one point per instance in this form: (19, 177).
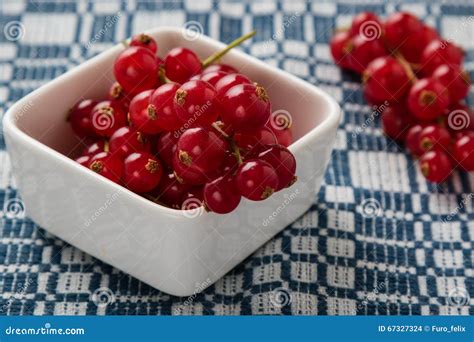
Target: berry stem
(406, 65)
(217, 127)
(162, 76)
(216, 56)
(236, 151)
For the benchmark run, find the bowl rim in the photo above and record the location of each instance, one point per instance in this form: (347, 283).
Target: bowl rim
(10, 120)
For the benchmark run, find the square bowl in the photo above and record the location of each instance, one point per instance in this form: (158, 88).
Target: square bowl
(178, 252)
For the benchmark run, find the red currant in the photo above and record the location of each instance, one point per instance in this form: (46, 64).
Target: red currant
(83, 160)
(341, 45)
(166, 147)
(188, 175)
(253, 142)
(107, 117)
(455, 80)
(136, 69)
(435, 166)
(170, 191)
(144, 41)
(80, 117)
(143, 115)
(95, 147)
(412, 139)
(245, 108)
(283, 162)
(222, 195)
(414, 44)
(256, 179)
(108, 165)
(220, 67)
(399, 26)
(126, 140)
(142, 172)
(366, 23)
(440, 52)
(192, 197)
(434, 137)
(165, 117)
(116, 93)
(282, 132)
(211, 77)
(181, 64)
(463, 151)
(427, 99)
(363, 51)
(395, 121)
(196, 104)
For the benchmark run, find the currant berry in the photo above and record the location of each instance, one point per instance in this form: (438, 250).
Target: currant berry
(228, 81)
(83, 160)
(455, 80)
(127, 140)
(166, 147)
(192, 198)
(222, 196)
(230, 164)
(396, 121)
(385, 79)
(283, 162)
(245, 108)
(434, 137)
(187, 175)
(256, 179)
(435, 166)
(196, 104)
(145, 41)
(143, 114)
(211, 77)
(252, 143)
(136, 69)
(170, 191)
(80, 117)
(95, 147)
(340, 46)
(463, 152)
(165, 117)
(399, 26)
(412, 139)
(440, 52)
(108, 165)
(220, 67)
(142, 172)
(427, 99)
(363, 51)
(414, 44)
(116, 93)
(107, 117)
(367, 24)
(201, 149)
(181, 64)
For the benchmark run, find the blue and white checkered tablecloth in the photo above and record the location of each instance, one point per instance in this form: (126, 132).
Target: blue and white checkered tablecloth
(413, 254)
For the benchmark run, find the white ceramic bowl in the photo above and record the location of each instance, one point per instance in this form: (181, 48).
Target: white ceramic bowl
(174, 251)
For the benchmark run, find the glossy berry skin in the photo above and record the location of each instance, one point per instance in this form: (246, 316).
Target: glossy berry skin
(192, 198)
(136, 69)
(399, 26)
(412, 140)
(245, 108)
(108, 165)
(284, 136)
(116, 93)
(127, 140)
(252, 143)
(440, 52)
(166, 147)
(414, 44)
(188, 175)
(80, 117)
(220, 67)
(362, 21)
(395, 121)
(83, 160)
(229, 165)
(363, 51)
(434, 137)
(221, 196)
(145, 41)
(143, 115)
(283, 162)
(94, 148)
(181, 64)
(170, 191)
(228, 81)
(435, 166)
(427, 99)
(256, 179)
(196, 104)
(142, 172)
(385, 79)
(463, 151)
(340, 46)
(455, 80)
(211, 77)
(201, 149)
(107, 117)
(165, 117)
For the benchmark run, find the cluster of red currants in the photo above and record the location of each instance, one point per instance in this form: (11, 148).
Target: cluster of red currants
(416, 79)
(182, 132)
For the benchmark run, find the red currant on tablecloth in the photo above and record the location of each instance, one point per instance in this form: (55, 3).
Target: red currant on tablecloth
(436, 166)
(440, 52)
(245, 108)
(463, 151)
(108, 165)
(256, 179)
(340, 46)
(136, 69)
(222, 195)
(434, 137)
(181, 64)
(399, 26)
(165, 116)
(412, 139)
(145, 41)
(367, 24)
(427, 99)
(80, 117)
(395, 121)
(126, 140)
(142, 172)
(455, 80)
(363, 51)
(107, 117)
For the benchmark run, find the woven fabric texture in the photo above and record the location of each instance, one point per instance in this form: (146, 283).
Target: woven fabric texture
(378, 240)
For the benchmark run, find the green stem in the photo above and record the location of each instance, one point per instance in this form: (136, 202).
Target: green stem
(216, 56)
(236, 151)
